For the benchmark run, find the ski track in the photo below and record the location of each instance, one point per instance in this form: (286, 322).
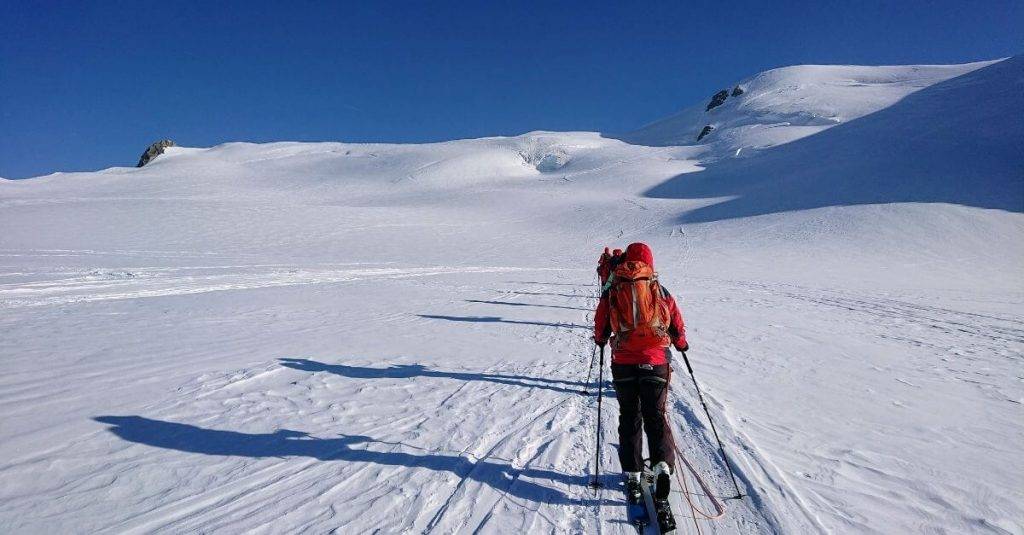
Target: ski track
(551, 430)
(184, 353)
(529, 464)
(104, 285)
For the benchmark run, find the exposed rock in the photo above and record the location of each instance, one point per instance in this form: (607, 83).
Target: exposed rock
(154, 150)
(553, 161)
(544, 155)
(718, 99)
(705, 131)
(737, 91)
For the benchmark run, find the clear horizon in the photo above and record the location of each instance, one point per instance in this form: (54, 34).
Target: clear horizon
(86, 87)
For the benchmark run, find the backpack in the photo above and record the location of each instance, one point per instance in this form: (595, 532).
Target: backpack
(637, 307)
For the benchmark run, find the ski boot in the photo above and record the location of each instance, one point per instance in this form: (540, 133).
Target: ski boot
(662, 480)
(636, 508)
(634, 492)
(666, 520)
(662, 488)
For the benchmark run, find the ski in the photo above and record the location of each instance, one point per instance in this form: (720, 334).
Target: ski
(636, 509)
(659, 510)
(666, 520)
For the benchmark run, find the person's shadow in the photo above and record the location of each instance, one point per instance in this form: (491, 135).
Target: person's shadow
(518, 482)
(499, 319)
(406, 371)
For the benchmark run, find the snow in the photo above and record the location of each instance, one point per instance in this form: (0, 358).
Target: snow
(786, 104)
(951, 142)
(305, 337)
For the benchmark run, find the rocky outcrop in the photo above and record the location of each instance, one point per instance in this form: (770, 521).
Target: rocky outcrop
(705, 131)
(553, 161)
(154, 150)
(737, 91)
(544, 154)
(717, 100)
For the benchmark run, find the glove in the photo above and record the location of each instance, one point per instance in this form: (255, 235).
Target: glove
(600, 343)
(682, 348)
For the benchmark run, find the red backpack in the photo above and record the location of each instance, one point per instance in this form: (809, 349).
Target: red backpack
(637, 306)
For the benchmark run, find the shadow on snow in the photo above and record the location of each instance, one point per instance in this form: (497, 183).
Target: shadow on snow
(408, 371)
(516, 304)
(498, 319)
(556, 294)
(519, 482)
(547, 283)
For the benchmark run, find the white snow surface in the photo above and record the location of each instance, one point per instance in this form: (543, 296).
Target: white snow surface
(317, 337)
(785, 104)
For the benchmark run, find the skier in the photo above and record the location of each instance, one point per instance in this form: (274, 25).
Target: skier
(604, 268)
(607, 263)
(641, 319)
(617, 258)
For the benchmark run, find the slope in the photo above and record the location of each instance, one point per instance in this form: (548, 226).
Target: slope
(301, 337)
(785, 104)
(958, 141)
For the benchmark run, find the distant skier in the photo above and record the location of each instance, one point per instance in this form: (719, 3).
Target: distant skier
(604, 266)
(607, 263)
(641, 320)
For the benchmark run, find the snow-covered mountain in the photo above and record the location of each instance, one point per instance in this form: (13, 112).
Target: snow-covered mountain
(294, 337)
(782, 105)
(954, 141)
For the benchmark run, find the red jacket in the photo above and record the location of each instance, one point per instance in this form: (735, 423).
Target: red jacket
(627, 353)
(606, 264)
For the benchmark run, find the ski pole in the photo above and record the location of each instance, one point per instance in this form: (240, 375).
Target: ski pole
(721, 449)
(593, 355)
(590, 371)
(596, 483)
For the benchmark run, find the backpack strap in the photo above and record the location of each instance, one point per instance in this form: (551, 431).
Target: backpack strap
(611, 281)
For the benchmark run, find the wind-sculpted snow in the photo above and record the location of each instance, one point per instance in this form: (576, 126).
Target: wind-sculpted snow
(350, 338)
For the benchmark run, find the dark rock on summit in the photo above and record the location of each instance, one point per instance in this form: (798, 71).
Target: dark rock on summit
(737, 91)
(154, 150)
(718, 99)
(705, 131)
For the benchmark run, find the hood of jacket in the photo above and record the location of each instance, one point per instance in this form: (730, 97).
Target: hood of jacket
(640, 252)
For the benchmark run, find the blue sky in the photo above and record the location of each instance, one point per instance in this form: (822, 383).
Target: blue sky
(88, 85)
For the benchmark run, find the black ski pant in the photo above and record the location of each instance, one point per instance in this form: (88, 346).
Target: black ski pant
(642, 391)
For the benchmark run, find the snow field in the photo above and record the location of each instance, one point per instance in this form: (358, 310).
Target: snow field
(312, 337)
